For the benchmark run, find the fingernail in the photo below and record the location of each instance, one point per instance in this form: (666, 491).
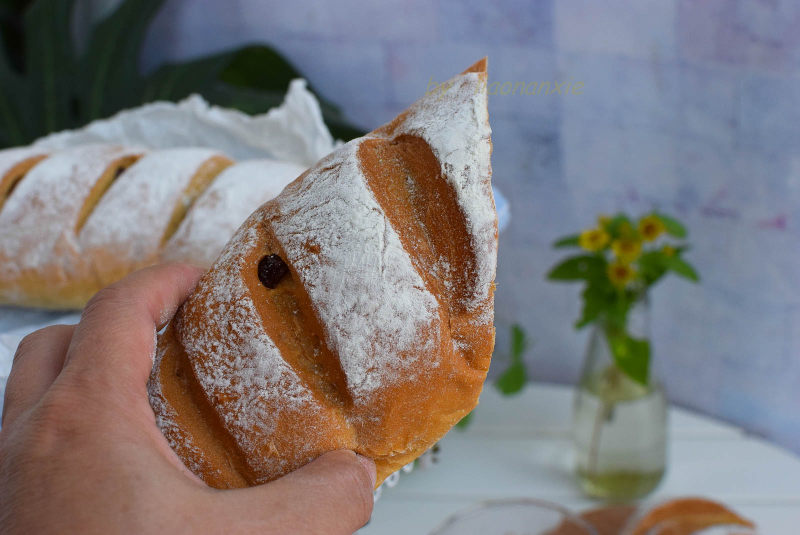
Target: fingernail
(369, 466)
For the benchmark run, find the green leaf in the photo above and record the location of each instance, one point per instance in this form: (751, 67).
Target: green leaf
(683, 268)
(49, 64)
(464, 422)
(652, 266)
(672, 226)
(242, 98)
(581, 267)
(109, 78)
(175, 81)
(513, 379)
(631, 355)
(597, 298)
(259, 67)
(616, 314)
(617, 223)
(568, 241)
(12, 127)
(516, 375)
(519, 342)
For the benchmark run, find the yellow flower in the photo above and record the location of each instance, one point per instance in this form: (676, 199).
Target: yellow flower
(650, 227)
(625, 229)
(668, 250)
(626, 249)
(620, 274)
(593, 239)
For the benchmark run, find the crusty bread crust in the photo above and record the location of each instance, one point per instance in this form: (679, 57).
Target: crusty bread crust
(378, 339)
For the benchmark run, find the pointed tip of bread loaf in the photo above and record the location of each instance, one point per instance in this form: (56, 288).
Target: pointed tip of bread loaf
(479, 66)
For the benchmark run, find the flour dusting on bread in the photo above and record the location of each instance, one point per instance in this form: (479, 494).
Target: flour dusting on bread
(57, 188)
(460, 137)
(361, 281)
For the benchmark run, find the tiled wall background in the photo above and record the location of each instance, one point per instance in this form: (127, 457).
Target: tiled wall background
(689, 106)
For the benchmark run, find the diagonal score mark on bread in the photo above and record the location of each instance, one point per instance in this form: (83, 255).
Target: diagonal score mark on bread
(379, 338)
(288, 319)
(107, 178)
(201, 180)
(238, 189)
(14, 165)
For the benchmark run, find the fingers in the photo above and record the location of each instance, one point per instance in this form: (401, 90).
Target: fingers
(37, 363)
(115, 340)
(331, 495)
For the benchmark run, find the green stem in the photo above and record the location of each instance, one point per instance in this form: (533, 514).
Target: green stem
(603, 413)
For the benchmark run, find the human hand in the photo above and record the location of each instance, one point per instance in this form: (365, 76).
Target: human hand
(80, 451)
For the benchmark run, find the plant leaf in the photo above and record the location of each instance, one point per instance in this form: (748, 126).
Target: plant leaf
(174, 81)
(259, 67)
(513, 379)
(597, 296)
(12, 131)
(652, 266)
(516, 375)
(567, 241)
(672, 226)
(464, 422)
(683, 268)
(49, 64)
(109, 78)
(242, 98)
(519, 342)
(578, 268)
(631, 355)
(616, 224)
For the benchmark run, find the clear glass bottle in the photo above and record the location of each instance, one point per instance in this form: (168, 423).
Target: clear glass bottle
(619, 425)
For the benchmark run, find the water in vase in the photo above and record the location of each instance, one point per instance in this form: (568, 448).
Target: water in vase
(620, 437)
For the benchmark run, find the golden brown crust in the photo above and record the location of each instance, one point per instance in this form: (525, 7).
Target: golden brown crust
(379, 338)
(687, 515)
(12, 177)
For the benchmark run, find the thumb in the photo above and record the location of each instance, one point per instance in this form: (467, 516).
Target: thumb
(332, 494)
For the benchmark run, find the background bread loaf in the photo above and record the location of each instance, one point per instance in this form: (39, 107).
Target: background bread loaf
(75, 220)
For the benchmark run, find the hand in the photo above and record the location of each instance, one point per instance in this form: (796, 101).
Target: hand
(80, 451)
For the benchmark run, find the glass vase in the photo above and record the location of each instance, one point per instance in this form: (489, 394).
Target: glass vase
(619, 424)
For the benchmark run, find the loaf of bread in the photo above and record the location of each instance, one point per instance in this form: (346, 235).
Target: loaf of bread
(75, 220)
(354, 310)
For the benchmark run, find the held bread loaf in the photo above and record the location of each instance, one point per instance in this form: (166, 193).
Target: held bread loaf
(354, 310)
(75, 220)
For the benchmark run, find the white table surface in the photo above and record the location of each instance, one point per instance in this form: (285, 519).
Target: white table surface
(520, 447)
